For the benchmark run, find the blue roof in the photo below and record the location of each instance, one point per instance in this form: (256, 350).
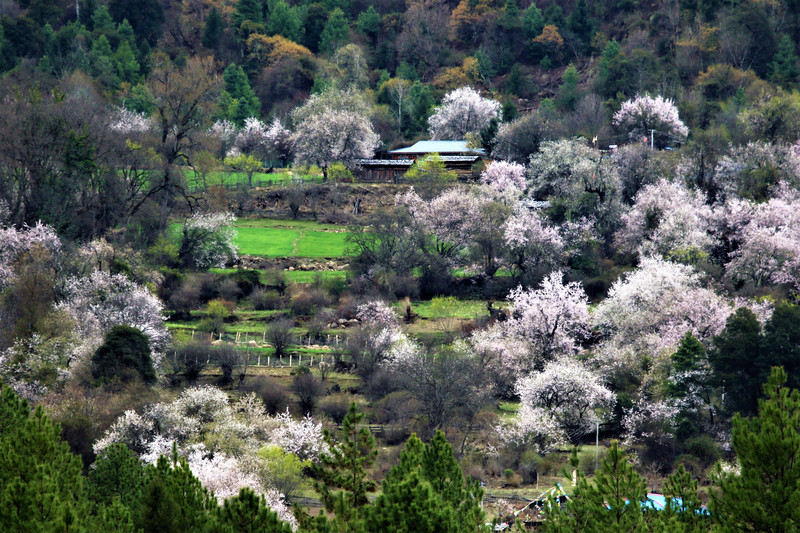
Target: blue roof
(438, 147)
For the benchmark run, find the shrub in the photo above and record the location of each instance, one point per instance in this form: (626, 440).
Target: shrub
(265, 300)
(279, 334)
(192, 359)
(273, 394)
(229, 290)
(335, 407)
(704, 448)
(308, 390)
(124, 354)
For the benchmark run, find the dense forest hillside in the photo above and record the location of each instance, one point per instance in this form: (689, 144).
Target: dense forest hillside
(227, 303)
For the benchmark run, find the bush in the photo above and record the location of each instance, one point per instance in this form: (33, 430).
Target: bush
(279, 334)
(246, 280)
(228, 358)
(335, 407)
(274, 395)
(308, 390)
(192, 359)
(229, 290)
(704, 448)
(307, 302)
(124, 355)
(265, 300)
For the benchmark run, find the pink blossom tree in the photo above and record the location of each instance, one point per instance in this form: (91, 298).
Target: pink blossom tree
(506, 179)
(462, 111)
(648, 311)
(333, 127)
(642, 115)
(766, 244)
(666, 220)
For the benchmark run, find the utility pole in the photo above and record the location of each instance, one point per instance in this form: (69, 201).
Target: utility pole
(596, 447)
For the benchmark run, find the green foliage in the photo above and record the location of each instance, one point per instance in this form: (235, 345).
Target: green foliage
(732, 355)
(247, 512)
(341, 476)
(238, 101)
(429, 174)
(784, 68)
(173, 500)
(144, 16)
(41, 488)
(212, 31)
(612, 502)
(369, 22)
(124, 355)
(336, 32)
(568, 90)
(117, 474)
(285, 20)
(765, 494)
(281, 469)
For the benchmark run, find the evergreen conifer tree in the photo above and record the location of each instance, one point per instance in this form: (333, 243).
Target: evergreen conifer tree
(247, 512)
(765, 494)
(212, 32)
(784, 68)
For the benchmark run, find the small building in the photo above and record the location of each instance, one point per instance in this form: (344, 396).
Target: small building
(443, 148)
(392, 165)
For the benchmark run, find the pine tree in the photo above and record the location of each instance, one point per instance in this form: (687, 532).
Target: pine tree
(252, 10)
(784, 68)
(41, 487)
(238, 101)
(341, 476)
(369, 23)
(117, 474)
(732, 356)
(426, 491)
(212, 32)
(765, 494)
(780, 345)
(335, 33)
(247, 512)
(611, 503)
(173, 500)
(568, 90)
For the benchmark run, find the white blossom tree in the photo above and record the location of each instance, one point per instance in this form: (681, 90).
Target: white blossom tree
(569, 394)
(766, 244)
(333, 127)
(666, 220)
(207, 240)
(102, 300)
(649, 310)
(642, 115)
(568, 168)
(553, 318)
(15, 242)
(756, 170)
(462, 111)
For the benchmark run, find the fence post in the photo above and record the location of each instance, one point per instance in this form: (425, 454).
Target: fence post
(290, 360)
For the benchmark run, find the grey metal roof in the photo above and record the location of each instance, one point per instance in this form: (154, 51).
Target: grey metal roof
(387, 162)
(438, 147)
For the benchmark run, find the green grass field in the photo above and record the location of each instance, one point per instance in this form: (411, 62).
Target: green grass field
(289, 238)
(260, 179)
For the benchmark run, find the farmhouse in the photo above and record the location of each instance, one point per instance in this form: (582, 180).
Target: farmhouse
(391, 167)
